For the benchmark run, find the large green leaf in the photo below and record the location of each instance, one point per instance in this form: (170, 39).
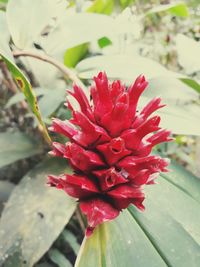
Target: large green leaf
(33, 217)
(5, 190)
(167, 234)
(26, 19)
(126, 67)
(189, 61)
(69, 31)
(16, 146)
(4, 28)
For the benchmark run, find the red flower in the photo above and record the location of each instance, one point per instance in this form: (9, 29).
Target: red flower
(110, 143)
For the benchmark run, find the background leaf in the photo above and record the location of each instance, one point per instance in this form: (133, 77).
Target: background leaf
(189, 61)
(40, 215)
(125, 67)
(24, 34)
(166, 234)
(74, 55)
(179, 9)
(5, 190)
(102, 6)
(16, 146)
(59, 259)
(70, 28)
(192, 83)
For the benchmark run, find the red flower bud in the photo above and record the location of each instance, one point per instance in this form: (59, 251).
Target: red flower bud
(109, 149)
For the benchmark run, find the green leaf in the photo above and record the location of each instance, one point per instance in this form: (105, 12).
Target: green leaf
(179, 118)
(124, 67)
(74, 55)
(126, 3)
(191, 83)
(104, 41)
(69, 31)
(34, 216)
(16, 146)
(171, 89)
(102, 6)
(179, 9)
(184, 180)
(166, 234)
(51, 100)
(58, 258)
(5, 190)
(23, 84)
(70, 238)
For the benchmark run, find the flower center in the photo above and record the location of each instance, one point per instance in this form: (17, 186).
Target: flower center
(117, 145)
(110, 178)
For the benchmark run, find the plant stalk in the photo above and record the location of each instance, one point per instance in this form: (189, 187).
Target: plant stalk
(70, 74)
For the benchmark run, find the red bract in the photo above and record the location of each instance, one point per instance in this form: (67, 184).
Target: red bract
(109, 148)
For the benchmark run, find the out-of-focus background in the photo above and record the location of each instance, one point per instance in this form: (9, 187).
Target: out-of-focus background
(53, 43)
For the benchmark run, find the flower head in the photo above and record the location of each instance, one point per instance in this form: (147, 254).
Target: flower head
(109, 148)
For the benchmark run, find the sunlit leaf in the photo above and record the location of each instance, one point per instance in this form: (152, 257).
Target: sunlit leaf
(179, 118)
(37, 14)
(123, 67)
(166, 234)
(74, 55)
(16, 146)
(102, 6)
(126, 3)
(33, 217)
(5, 35)
(171, 89)
(69, 31)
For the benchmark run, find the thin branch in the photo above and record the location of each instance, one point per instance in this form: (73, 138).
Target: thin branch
(65, 70)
